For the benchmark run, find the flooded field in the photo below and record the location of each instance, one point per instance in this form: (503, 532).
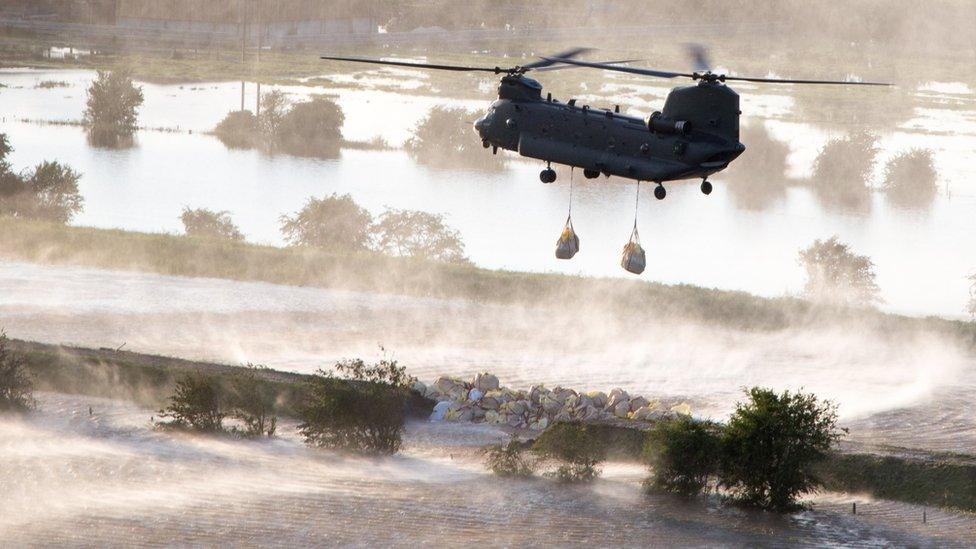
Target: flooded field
(70, 478)
(506, 217)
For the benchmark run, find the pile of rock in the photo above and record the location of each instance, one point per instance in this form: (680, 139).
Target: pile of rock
(484, 400)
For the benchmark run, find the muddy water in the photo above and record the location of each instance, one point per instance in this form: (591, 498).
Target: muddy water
(911, 390)
(507, 219)
(73, 479)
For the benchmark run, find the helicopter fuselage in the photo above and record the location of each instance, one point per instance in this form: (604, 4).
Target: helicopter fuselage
(695, 135)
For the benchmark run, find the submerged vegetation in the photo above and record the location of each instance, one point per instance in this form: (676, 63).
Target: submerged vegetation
(195, 406)
(835, 274)
(49, 191)
(683, 454)
(509, 459)
(910, 178)
(574, 451)
(204, 223)
(111, 109)
(16, 386)
(363, 412)
(253, 402)
(842, 170)
(310, 128)
(443, 140)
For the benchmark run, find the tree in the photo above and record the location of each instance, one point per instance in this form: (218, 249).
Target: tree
(274, 105)
(49, 192)
(910, 178)
(771, 445)
(683, 454)
(576, 450)
(334, 223)
(835, 274)
(195, 405)
(253, 404)
(443, 139)
(204, 223)
(111, 108)
(417, 234)
(362, 413)
(312, 128)
(238, 130)
(842, 169)
(16, 387)
(508, 459)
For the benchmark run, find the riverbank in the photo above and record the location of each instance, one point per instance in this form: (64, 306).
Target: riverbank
(936, 479)
(167, 254)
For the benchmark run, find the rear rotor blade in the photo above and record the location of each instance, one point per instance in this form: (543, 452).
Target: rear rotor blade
(559, 67)
(568, 54)
(793, 81)
(630, 70)
(455, 68)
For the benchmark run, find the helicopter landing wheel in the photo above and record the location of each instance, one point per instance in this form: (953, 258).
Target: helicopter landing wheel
(548, 175)
(706, 187)
(660, 192)
(591, 174)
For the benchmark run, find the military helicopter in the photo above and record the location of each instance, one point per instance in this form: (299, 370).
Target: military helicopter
(695, 135)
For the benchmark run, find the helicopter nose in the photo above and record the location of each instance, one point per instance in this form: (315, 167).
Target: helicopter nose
(479, 126)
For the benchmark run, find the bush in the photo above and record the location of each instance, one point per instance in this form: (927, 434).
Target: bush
(508, 459)
(835, 274)
(204, 223)
(334, 223)
(238, 130)
(910, 178)
(576, 452)
(758, 178)
(48, 192)
(423, 235)
(195, 406)
(842, 169)
(772, 444)
(274, 105)
(683, 453)
(312, 128)
(253, 403)
(110, 112)
(363, 413)
(16, 387)
(445, 139)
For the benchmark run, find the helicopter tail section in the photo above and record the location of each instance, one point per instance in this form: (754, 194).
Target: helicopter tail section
(708, 107)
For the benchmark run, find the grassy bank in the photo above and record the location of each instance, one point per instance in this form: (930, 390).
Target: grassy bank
(41, 242)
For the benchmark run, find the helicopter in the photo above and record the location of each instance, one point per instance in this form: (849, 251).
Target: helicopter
(695, 134)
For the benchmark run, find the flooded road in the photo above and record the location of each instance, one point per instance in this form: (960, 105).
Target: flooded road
(506, 217)
(73, 479)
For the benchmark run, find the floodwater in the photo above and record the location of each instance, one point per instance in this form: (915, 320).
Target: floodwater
(506, 217)
(70, 478)
(914, 390)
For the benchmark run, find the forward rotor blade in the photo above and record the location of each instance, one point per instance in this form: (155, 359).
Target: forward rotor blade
(559, 67)
(630, 70)
(793, 81)
(568, 54)
(455, 68)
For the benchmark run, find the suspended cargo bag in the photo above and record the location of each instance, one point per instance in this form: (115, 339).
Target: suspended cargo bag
(634, 259)
(568, 243)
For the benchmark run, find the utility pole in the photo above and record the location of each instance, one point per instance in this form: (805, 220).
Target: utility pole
(243, 28)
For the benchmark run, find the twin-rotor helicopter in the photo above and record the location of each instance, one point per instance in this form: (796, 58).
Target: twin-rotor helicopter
(695, 134)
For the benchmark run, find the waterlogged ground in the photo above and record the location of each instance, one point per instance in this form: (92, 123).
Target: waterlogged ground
(70, 478)
(910, 390)
(506, 217)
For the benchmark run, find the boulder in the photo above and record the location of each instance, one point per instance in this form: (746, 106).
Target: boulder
(465, 415)
(684, 409)
(440, 410)
(637, 403)
(562, 417)
(599, 398)
(489, 403)
(485, 382)
(478, 414)
(444, 384)
(590, 413)
(617, 397)
(539, 424)
(622, 409)
(644, 413)
(475, 395)
(491, 416)
(536, 392)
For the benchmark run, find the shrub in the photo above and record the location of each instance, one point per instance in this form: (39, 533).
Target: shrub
(16, 387)
(576, 452)
(334, 223)
(683, 453)
(362, 413)
(842, 169)
(274, 105)
(110, 111)
(238, 130)
(253, 403)
(48, 192)
(195, 405)
(444, 138)
(772, 444)
(835, 274)
(758, 177)
(312, 128)
(409, 233)
(910, 178)
(204, 223)
(509, 460)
